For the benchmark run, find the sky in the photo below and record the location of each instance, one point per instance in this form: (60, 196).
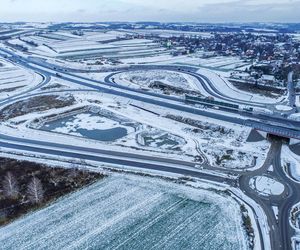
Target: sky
(150, 10)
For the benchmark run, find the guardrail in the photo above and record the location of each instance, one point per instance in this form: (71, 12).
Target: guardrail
(201, 100)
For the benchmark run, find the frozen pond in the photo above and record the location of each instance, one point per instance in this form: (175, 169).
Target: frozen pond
(128, 212)
(105, 126)
(88, 125)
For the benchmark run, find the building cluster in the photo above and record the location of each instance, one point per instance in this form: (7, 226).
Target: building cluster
(271, 56)
(270, 50)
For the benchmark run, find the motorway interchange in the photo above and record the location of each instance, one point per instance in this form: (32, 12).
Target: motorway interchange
(279, 230)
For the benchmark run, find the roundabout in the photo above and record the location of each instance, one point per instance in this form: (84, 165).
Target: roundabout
(266, 186)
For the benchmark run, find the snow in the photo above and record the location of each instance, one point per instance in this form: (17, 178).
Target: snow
(168, 33)
(296, 243)
(103, 36)
(257, 215)
(17, 41)
(38, 40)
(295, 117)
(134, 42)
(145, 78)
(158, 58)
(227, 89)
(78, 44)
(291, 161)
(129, 144)
(275, 210)
(297, 100)
(266, 186)
(15, 79)
(283, 108)
(89, 122)
(294, 218)
(211, 141)
(219, 64)
(116, 211)
(91, 44)
(10, 32)
(254, 210)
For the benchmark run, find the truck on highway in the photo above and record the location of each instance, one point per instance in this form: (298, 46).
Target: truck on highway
(249, 109)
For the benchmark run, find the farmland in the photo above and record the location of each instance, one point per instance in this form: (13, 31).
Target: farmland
(129, 212)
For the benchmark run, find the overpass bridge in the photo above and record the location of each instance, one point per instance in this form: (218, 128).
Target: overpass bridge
(274, 129)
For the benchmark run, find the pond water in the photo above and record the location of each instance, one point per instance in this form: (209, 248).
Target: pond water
(89, 126)
(104, 134)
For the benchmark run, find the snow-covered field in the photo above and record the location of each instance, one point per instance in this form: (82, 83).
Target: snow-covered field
(156, 138)
(10, 32)
(129, 212)
(158, 58)
(104, 36)
(219, 63)
(143, 79)
(169, 33)
(283, 108)
(14, 79)
(91, 44)
(227, 89)
(17, 41)
(295, 117)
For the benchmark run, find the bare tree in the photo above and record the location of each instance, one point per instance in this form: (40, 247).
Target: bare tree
(35, 190)
(73, 172)
(10, 186)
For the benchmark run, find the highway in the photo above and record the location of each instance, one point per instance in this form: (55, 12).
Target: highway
(202, 79)
(280, 231)
(275, 124)
(158, 164)
(280, 234)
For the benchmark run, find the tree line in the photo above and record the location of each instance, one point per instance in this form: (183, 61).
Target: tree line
(11, 189)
